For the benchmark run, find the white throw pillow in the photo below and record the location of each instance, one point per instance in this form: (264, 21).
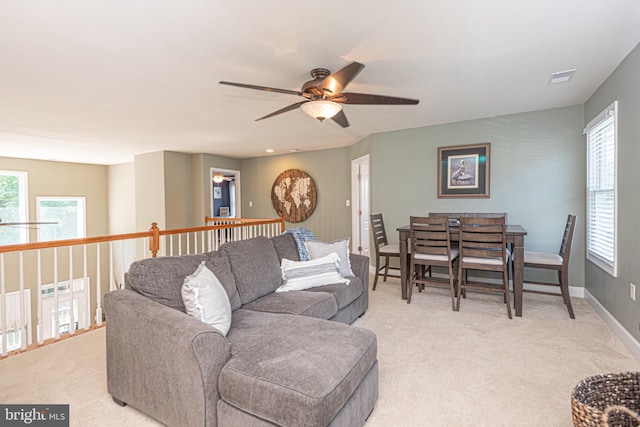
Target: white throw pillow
(204, 298)
(341, 247)
(300, 275)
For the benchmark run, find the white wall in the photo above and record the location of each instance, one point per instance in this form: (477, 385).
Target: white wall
(122, 199)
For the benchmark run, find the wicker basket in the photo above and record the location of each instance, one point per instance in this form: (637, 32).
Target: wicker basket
(607, 400)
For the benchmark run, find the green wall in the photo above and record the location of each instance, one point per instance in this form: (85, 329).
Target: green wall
(622, 85)
(536, 175)
(331, 172)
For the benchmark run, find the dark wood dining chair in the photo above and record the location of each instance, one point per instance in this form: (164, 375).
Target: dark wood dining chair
(431, 247)
(558, 262)
(483, 246)
(383, 249)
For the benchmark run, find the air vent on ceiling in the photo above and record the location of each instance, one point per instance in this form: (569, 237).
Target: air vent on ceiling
(561, 76)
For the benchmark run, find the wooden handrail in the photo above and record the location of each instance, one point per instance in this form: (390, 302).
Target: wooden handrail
(153, 234)
(73, 242)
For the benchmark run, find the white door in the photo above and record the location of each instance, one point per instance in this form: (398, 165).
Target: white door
(360, 205)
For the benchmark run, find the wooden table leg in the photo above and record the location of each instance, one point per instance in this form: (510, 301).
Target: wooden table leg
(403, 263)
(518, 273)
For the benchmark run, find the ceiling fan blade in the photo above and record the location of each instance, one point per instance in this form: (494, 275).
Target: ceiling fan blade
(282, 110)
(266, 88)
(368, 99)
(13, 224)
(341, 119)
(334, 83)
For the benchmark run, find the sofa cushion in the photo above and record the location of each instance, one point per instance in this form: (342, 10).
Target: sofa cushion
(255, 267)
(218, 263)
(285, 246)
(320, 305)
(294, 370)
(161, 279)
(344, 294)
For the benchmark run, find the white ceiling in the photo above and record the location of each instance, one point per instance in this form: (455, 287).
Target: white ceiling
(98, 82)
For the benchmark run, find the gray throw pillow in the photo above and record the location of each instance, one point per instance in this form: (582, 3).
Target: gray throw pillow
(341, 247)
(206, 299)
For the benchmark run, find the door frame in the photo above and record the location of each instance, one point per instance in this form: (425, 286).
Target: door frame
(360, 200)
(238, 201)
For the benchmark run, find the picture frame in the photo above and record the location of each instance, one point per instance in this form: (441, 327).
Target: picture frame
(463, 171)
(217, 192)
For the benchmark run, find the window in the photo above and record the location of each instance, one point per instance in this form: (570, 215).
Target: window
(13, 207)
(65, 305)
(67, 215)
(602, 178)
(16, 322)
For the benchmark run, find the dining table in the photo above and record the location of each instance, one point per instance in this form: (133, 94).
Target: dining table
(515, 237)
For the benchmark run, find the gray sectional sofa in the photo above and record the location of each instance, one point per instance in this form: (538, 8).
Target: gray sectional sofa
(289, 358)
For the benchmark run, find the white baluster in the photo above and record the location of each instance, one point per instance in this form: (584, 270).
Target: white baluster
(85, 277)
(39, 335)
(72, 318)
(122, 269)
(56, 308)
(22, 314)
(3, 307)
(98, 288)
(112, 285)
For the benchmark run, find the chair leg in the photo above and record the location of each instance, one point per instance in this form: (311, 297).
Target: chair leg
(460, 287)
(505, 278)
(386, 268)
(412, 271)
(375, 280)
(453, 289)
(563, 276)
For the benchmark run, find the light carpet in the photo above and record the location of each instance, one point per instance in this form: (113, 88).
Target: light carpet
(437, 367)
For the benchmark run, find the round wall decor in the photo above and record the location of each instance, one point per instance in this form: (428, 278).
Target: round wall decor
(293, 195)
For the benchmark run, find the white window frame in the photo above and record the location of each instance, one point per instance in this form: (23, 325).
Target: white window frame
(24, 205)
(16, 321)
(595, 254)
(82, 229)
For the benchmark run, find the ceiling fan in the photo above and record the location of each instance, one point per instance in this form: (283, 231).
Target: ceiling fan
(324, 95)
(23, 224)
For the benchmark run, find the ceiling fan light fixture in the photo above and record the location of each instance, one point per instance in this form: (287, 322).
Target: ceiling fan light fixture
(218, 178)
(321, 110)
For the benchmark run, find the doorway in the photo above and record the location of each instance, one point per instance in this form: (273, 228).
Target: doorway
(224, 193)
(360, 206)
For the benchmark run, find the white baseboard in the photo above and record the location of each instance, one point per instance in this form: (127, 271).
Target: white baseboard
(627, 339)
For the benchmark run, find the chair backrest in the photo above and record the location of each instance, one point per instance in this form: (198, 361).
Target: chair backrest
(379, 233)
(487, 215)
(483, 238)
(447, 214)
(430, 236)
(567, 238)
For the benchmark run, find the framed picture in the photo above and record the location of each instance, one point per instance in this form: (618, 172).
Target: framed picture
(463, 171)
(217, 192)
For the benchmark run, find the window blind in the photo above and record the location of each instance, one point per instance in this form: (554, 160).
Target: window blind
(601, 190)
